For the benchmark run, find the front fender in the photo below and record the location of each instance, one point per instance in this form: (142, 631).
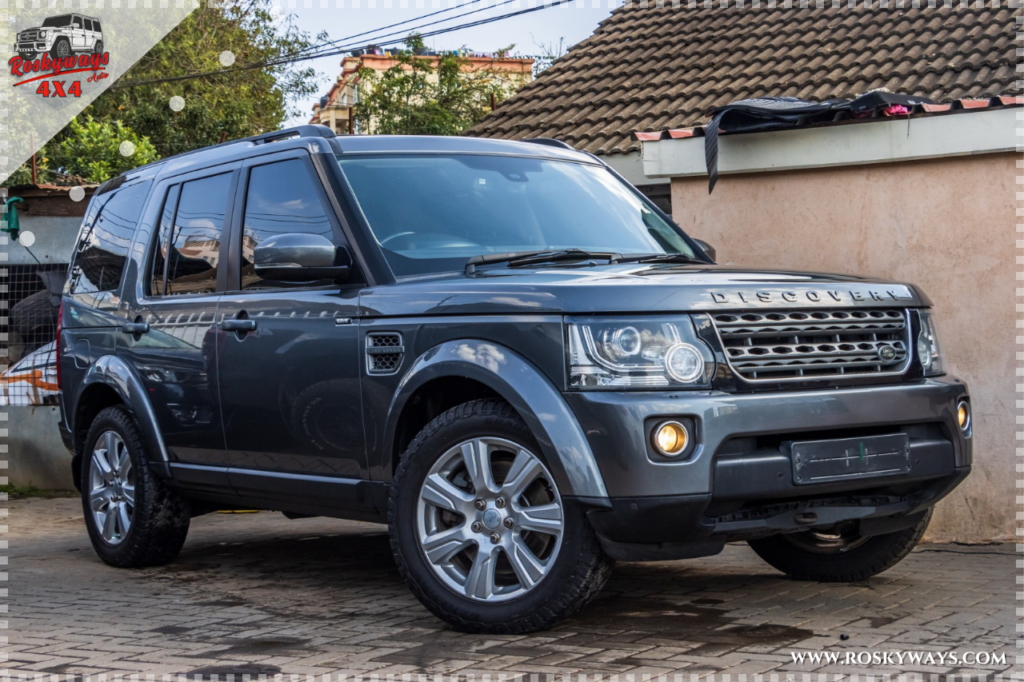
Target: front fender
(541, 406)
(114, 372)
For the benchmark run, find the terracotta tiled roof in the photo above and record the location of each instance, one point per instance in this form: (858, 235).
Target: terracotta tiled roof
(657, 68)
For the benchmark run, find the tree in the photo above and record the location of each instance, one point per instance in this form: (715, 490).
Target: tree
(237, 104)
(92, 151)
(414, 97)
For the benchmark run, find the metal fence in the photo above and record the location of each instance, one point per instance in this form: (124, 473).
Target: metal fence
(29, 302)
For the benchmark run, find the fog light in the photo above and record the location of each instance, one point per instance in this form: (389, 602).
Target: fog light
(963, 415)
(671, 438)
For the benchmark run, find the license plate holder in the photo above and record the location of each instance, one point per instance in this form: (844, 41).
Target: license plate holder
(821, 461)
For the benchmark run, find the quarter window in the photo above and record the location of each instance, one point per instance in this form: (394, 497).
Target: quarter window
(281, 198)
(193, 252)
(103, 247)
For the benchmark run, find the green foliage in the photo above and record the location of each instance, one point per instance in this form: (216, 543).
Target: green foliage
(89, 150)
(92, 150)
(416, 98)
(238, 104)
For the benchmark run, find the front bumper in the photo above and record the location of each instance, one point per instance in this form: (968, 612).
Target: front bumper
(738, 482)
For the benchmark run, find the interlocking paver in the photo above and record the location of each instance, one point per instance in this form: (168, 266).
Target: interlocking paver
(256, 592)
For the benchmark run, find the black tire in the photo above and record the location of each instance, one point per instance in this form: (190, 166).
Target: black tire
(160, 517)
(61, 48)
(35, 315)
(577, 574)
(865, 557)
(27, 56)
(98, 47)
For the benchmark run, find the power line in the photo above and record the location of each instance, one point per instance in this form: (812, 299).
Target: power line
(383, 28)
(342, 50)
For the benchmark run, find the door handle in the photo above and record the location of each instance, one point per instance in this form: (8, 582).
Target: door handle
(238, 325)
(135, 327)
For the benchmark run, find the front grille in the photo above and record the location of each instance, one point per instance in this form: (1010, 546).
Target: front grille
(772, 346)
(384, 351)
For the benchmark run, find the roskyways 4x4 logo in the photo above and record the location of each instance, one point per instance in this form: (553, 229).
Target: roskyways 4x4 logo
(49, 54)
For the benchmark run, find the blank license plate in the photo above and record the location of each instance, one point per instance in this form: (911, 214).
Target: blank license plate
(820, 461)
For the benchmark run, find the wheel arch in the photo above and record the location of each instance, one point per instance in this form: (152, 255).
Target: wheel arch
(484, 369)
(111, 381)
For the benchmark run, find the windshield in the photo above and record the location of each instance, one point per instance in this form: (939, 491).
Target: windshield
(432, 213)
(54, 22)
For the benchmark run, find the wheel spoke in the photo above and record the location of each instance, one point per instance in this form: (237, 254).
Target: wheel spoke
(110, 445)
(98, 498)
(528, 568)
(110, 523)
(123, 519)
(100, 464)
(524, 471)
(125, 463)
(480, 581)
(477, 457)
(545, 518)
(442, 493)
(440, 547)
(128, 492)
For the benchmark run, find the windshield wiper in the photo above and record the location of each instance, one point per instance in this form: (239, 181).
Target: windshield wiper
(658, 258)
(519, 258)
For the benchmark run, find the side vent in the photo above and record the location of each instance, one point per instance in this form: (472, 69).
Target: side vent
(384, 351)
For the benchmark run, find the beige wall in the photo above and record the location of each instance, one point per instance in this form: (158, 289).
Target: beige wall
(948, 226)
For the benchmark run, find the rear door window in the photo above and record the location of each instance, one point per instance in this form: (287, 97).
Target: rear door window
(193, 253)
(103, 247)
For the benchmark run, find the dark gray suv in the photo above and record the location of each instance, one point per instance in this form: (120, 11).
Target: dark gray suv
(500, 349)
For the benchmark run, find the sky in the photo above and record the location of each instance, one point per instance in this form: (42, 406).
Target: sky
(569, 23)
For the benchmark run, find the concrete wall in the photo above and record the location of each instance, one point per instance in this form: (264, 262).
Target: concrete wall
(36, 456)
(947, 225)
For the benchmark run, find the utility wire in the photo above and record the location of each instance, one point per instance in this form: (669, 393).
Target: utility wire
(342, 50)
(384, 28)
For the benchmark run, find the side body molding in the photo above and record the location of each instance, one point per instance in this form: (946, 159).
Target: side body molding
(552, 422)
(116, 373)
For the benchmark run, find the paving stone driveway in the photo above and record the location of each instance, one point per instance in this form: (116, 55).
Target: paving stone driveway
(259, 593)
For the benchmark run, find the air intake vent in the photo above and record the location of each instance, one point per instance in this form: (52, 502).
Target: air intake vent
(384, 351)
(772, 346)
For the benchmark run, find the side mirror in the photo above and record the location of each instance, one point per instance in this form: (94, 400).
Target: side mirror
(708, 249)
(301, 257)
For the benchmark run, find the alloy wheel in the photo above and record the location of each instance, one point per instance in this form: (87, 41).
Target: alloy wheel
(63, 49)
(489, 519)
(111, 487)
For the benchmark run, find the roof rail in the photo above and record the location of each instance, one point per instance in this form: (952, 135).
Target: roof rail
(550, 142)
(312, 130)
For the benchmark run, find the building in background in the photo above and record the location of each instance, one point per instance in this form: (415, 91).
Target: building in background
(336, 109)
(660, 66)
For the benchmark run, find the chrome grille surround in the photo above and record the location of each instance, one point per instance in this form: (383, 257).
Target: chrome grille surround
(770, 346)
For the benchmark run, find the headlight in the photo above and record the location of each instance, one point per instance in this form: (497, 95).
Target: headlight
(637, 353)
(928, 345)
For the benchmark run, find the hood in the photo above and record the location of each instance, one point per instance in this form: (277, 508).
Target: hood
(631, 288)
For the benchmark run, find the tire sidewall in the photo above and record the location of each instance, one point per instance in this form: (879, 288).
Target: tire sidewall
(413, 563)
(118, 421)
(55, 50)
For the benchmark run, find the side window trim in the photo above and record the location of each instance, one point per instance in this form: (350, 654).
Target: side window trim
(234, 269)
(174, 188)
(166, 183)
